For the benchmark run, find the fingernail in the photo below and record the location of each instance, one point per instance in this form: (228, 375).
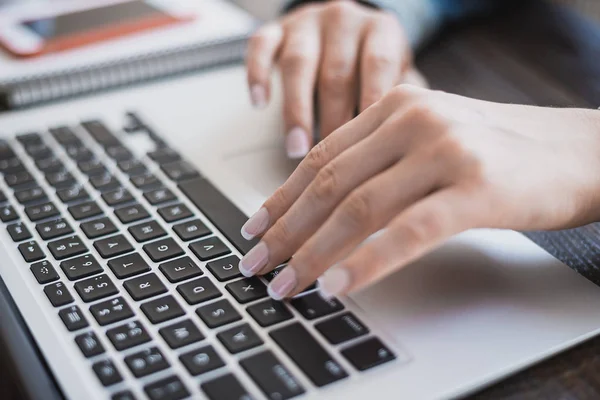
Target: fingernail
(256, 224)
(254, 260)
(258, 95)
(296, 143)
(334, 281)
(283, 284)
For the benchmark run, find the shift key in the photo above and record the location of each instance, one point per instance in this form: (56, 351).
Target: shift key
(310, 357)
(272, 376)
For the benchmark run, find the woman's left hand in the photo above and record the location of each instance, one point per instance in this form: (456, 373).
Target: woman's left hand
(423, 166)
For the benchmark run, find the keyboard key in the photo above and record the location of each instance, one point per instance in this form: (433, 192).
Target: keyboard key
(146, 362)
(144, 286)
(124, 395)
(89, 344)
(111, 311)
(163, 249)
(164, 155)
(368, 354)
(201, 360)
(341, 328)
(53, 229)
(73, 318)
(98, 227)
(132, 213)
(175, 212)
(198, 290)
(218, 314)
(11, 165)
(116, 197)
(100, 133)
(269, 312)
(310, 357)
(42, 211)
(219, 210)
(181, 334)
(92, 167)
(67, 247)
(58, 294)
(18, 232)
(85, 210)
(113, 246)
(180, 171)
(107, 372)
(44, 272)
(31, 251)
(128, 266)
(27, 139)
(105, 182)
(50, 164)
(162, 309)
(95, 288)
(226, 387)
(78, 152)
(170, 388)
(271, 376)
(38, 151)
(6, 151)
(18, 178)
(30, 195)
(240, 338)
(64, 135)
(210, 248)
(72, 194)
(128, 335)
(8, 213)
(132, 167)
(313, 305)
(180, 269)
(247, 289)
(225, 269)
(145, 181)
(158, 196)
(60, 179)
(147, 231)
(191, 230)
(119, 153)
(3, 198)
(81, 267)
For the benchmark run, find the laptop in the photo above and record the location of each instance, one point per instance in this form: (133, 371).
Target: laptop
(120, 231)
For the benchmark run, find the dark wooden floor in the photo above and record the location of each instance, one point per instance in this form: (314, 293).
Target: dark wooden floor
(535, 55)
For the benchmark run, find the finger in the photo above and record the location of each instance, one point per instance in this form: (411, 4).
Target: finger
(262, 49)
(414, 77)
(338, 83)
(334, 183)
(317, 158)
(381, 61)
(417, 230)
(299, 63)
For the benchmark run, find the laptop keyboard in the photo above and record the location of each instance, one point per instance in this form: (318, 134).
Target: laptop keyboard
(130, 243)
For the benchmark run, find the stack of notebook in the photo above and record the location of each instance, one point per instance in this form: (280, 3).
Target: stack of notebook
(217, 36)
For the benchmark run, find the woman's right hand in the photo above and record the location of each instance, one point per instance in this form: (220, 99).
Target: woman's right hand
(347, 53)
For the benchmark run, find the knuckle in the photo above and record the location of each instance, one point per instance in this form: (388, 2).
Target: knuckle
(356, 209)
(279, 234)
(339, 10)
(292, 60)
(400, 94)
(318, 157)
(326, 183)
(277, 200)
(336, 78)
(425, 227)
(379, 61)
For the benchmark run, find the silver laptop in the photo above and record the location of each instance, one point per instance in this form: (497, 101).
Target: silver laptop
(120, 243)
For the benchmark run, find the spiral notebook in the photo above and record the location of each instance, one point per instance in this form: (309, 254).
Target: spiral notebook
(217, 36)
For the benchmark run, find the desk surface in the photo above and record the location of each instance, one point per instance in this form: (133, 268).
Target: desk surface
(536, 56)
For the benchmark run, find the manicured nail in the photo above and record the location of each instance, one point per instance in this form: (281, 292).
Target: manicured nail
(254, 260)
(258, 95)
(283, 284)
(296, 143)
(333, 282)
(256, 224)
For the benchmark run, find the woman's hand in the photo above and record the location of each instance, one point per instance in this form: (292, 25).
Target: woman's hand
(424, 165)
(349, 54)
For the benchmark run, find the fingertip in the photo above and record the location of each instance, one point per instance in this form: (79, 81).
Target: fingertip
(334, 282)
(297, 143)
(258, 96)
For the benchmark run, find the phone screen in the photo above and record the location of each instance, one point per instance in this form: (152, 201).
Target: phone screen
(91, 19)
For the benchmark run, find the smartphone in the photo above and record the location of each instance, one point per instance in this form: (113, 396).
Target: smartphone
(56, 26)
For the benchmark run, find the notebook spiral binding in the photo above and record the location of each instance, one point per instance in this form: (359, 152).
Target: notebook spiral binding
(44, 88)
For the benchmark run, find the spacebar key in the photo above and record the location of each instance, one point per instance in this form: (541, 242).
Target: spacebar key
(219, 210)
(310, 356)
